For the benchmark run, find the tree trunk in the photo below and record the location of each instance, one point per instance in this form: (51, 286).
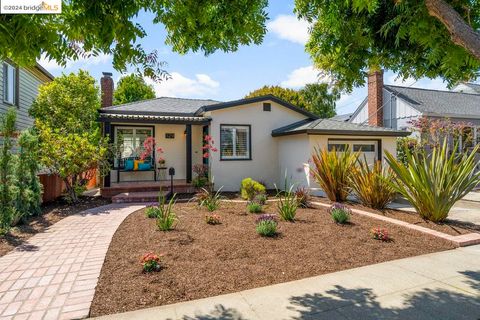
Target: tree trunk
(461, 32)
(71, 190)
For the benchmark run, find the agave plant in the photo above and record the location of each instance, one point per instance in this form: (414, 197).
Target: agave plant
(332, 171)
(433, 183)
(371, 186)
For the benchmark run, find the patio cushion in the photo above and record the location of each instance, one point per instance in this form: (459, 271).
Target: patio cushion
(144, 166)
(136, 163)
(128, 165)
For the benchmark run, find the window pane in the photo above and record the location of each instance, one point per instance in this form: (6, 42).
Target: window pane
(364, 147)
(8, 83)
(226, 147)
(337, 147)
(140, 136)
(241, 142)
(125, 142)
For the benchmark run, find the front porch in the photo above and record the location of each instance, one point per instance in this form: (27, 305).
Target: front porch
(144, 191)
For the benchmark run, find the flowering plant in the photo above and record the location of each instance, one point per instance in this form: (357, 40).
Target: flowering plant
(148, 147)
(266, 225)
(208, 145)
(380, 234)
(340, 213)
(151, 262)
(212, 219)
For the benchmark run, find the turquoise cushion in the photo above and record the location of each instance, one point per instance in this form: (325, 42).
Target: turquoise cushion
(129, 165)
(144, 166)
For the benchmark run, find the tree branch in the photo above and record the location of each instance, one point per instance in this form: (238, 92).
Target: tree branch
(461, 33)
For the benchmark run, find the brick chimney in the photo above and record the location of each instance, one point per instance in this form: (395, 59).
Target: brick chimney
(375, 98)
(106, 85)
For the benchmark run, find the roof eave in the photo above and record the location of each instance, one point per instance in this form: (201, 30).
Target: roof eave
(344, 133)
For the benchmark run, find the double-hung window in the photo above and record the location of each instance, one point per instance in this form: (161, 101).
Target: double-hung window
(9, 84)
(235, 142)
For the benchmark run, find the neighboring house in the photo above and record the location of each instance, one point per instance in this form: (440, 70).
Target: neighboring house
(261, 137)
(395, 106)
(20, 88)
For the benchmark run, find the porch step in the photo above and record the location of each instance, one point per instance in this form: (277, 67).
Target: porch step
(144, 196)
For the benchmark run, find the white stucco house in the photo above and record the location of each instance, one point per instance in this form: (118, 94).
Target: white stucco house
(261, 138)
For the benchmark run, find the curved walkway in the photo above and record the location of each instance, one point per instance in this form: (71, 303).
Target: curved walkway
(54, 275)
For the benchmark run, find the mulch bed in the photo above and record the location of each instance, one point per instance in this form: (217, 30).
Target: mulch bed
(201, 260)
(52, 212)
(450, 227)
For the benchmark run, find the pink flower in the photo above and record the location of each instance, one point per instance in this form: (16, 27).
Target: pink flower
(205, 155)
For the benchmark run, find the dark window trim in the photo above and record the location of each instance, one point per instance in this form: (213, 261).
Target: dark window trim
(379, 144)
(249, 141)
(112, 128)
(267, 106)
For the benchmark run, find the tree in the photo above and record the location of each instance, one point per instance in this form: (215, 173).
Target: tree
(413, 38)
(132, 88)
(314, 97)
(319, 100)
(65, 113)
(87, 28)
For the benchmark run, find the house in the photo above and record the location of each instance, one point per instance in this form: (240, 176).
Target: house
(261, 138)
(20, 88)
(394, 107)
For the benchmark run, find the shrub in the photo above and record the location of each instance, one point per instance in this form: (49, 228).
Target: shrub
(287, 204)
(340, 213)
(209, 199)
(212, 219)
(434, 183)
(332, 170)
(303, 197)
(371, 184)
(251, 188)
(254, 207)
(199, 182)
(166, 218)
(151, 262)
(380, 234)
(261, 199)
(266, 225)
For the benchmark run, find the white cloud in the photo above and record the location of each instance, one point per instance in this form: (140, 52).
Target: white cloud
(301, 76)
(78, 64)
(290, 28)
(425, 83)
(202, 86)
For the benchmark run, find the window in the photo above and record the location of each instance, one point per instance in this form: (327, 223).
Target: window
(129, 140)
(267, 106)
(9, 84)
(235, 142)
(340, 147)
(364, 147)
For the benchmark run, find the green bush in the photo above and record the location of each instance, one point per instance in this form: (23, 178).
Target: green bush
(261, 199)
(266, 225)
(254, 207)
(151, 212)
(251, 188)
(371, 184)
(340, 213)
(433, 183)
(287, 204)
(166, 218)
(332, 171)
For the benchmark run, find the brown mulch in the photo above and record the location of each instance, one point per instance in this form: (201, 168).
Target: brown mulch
(450, 227)
(52, 212)
(202, 260)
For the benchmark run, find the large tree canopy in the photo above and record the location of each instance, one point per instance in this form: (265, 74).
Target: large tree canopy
(413, 38)
(314, 97)
(93, 27)
(132, 88)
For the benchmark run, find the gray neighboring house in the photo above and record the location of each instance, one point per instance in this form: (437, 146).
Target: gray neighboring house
(394, 107)
(20, 88)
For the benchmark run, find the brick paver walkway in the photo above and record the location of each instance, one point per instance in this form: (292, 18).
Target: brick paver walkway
(54, 275)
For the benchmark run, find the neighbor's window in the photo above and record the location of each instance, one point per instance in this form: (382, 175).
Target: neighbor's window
(9, 83)
(235, 142)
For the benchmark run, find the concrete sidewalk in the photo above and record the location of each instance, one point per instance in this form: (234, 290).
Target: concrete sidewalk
(443, 285)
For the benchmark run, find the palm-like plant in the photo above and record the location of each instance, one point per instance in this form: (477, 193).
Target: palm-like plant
(433, 183)
(371, 184)
(332, 171)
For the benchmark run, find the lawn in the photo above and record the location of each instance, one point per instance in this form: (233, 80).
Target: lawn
(202, 260)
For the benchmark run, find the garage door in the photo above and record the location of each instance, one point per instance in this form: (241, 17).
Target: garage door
(368, 149)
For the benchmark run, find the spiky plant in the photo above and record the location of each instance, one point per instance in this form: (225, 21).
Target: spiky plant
(433, 183)
(371, 186)
(332, 171)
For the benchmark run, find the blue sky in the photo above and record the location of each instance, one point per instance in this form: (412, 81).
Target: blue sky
(280, 60)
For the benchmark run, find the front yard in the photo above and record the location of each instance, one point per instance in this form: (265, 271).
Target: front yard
(202, 260)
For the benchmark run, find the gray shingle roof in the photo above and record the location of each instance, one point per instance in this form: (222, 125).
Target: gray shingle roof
(440, 103)
(329, 126)
(162, 105)
(474, 86)
(342, 117)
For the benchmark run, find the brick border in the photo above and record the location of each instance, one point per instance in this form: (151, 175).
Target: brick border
(463, 240)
